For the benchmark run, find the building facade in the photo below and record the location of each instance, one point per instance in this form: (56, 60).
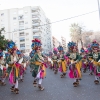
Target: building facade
(55, 42)
(64, 44)
(22, 25)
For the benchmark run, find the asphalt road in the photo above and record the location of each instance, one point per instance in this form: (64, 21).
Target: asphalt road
(56, 88)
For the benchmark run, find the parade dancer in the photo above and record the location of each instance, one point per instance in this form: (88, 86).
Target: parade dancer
(84, 60)
(31, 61)
(96, 60)
(62, 62)
(89, 57)
(50, 62)
(7, 61)
(21, 62)
(74, 67)
(55, 61)
(2, 69)
(14, 73)
(39, 71)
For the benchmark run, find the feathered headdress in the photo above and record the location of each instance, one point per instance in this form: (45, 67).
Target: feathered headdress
(1, 53)
(55, 50)
(71, 46)
(50, 53)
(11, 46)
(36, 43)
(60, 48)
(82, 50)
(18, 52)
(95, 45)
(89, 48)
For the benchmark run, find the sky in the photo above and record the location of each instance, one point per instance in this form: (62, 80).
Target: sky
(57, 10)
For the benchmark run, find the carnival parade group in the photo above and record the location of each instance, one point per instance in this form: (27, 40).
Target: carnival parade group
(72, 63)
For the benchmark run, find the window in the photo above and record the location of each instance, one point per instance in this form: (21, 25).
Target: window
(14, 18)
(21, 23)
(22, 39)
(2, 14)
(21, 34)
(36, 37)
(34, 16)
(22, 45)
(27, 33)
(21, 28)
(21, 17)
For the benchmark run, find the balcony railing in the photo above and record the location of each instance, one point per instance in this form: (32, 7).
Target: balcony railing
(35, 8)
(36, 24)
(35, 13)
(36, 30)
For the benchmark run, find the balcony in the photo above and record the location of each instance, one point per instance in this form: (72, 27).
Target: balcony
(36, 24)
(35, 8)
(22, 48)
(35, 13)
(36, 36)
(21, 17)
(36, 30)
(35, 19)
(37, 33)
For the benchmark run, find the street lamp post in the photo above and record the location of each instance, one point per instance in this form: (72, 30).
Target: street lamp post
(99, 8)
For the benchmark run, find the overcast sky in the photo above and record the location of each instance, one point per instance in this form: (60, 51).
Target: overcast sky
(62, 9)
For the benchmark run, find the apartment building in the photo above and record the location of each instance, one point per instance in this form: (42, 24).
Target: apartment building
(64, 44)
(22, 25)
(55, 42)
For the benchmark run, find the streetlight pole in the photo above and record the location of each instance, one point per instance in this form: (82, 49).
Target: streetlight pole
(99, 8)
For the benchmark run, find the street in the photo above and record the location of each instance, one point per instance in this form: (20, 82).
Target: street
(56, 88)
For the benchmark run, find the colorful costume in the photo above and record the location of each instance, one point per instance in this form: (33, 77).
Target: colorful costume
(50, 62)
(14, 66)
(75, 65)
(21, 62)
(96, 60)
(62, 62)
(32, 60)
(89, 57)
(2, 69)
(39, 70)
(55, 61)
(84, 60)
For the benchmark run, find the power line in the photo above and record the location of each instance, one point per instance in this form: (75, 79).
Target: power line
(58, 21)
